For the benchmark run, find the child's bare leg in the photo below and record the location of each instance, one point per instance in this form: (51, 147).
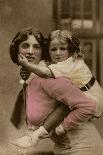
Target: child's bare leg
(56, 117)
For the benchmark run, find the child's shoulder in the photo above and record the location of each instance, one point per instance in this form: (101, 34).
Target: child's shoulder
(81, 61)
(43, 63)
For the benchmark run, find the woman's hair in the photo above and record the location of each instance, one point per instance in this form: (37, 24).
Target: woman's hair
(22, 36)
(65, 36)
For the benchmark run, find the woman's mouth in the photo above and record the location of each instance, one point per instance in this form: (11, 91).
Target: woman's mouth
(30, 58)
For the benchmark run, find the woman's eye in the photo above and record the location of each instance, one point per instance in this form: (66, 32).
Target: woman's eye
(25, 45)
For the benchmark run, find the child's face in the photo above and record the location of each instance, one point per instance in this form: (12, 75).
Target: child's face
(58, 51)
(31, 49)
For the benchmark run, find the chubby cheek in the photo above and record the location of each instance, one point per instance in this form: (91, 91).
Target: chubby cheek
(66, 55)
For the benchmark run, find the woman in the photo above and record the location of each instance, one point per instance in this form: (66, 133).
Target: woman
(83, 139)
(29, 42)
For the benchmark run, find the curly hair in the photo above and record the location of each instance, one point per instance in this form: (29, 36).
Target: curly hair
(65, 36)
(22, 36)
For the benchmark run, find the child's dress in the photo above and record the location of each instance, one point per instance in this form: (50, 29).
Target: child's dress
(78, 72)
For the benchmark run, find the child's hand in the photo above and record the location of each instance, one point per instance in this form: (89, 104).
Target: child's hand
(22, 60)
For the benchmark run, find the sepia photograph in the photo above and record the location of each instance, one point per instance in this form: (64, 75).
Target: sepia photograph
(51, 81)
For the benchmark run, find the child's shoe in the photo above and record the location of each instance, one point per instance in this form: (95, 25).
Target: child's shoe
(30, 139)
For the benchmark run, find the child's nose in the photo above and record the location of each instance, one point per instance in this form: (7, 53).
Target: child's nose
(58, 51)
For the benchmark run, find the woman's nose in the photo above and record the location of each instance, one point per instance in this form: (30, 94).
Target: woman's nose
(30, 50)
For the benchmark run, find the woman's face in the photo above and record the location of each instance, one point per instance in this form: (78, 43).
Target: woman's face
(31, 49)
(58, 51)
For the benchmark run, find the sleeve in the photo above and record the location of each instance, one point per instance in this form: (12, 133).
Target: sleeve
(60, 69)
(42, 63)
(55, 69)
(82, 107)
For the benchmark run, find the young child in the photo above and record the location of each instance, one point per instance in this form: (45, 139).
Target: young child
(66, 60)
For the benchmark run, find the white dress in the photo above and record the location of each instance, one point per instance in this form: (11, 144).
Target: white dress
(79, 73)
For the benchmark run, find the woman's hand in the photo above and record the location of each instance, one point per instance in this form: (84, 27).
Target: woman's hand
(24, 74)
(22, 60)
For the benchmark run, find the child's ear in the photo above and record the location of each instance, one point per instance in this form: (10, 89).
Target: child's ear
(75, 45)
(75, 41)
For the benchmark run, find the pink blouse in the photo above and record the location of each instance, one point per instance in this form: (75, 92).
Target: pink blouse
(42, 95)
(38, 103)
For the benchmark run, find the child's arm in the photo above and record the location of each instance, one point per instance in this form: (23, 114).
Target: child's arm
(42, 71)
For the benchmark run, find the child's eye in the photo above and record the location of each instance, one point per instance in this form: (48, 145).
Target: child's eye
(53, 49)
(63, 48)
(25, 45)
(37, 46)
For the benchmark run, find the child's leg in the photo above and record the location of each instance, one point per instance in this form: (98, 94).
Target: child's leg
(56, 117)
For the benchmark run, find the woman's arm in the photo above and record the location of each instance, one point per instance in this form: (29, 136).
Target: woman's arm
(82, 107)
(42, 71)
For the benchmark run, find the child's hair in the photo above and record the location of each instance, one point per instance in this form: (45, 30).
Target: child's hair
(65, 36)
(22, 36)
